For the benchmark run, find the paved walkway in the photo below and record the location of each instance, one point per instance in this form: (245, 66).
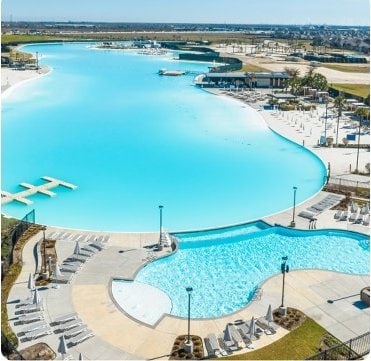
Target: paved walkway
(118, 336)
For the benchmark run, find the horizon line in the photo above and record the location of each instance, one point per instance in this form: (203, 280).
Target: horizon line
(168, 23)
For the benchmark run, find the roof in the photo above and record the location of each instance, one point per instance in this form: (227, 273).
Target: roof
(247, 75)
(226, 75)
(283, 96)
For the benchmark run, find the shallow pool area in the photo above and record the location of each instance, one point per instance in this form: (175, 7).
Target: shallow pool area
(225, 271)
(131, 140)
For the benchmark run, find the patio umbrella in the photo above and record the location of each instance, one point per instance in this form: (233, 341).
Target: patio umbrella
(252, 328)
(31, 282)
(228, 336)
(63, 346)
(365, 209)
(81, 357)
(77, 249)
(269, 315)
(353, 207)
(36, 297)
(57, 273)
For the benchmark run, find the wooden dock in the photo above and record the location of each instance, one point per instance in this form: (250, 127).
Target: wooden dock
(21, 197)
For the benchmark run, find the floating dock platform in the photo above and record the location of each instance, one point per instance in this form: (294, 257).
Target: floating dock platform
(21, 197)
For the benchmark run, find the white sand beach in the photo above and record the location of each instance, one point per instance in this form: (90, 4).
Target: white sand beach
(12, 79)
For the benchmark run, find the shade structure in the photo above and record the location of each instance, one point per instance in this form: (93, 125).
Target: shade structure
(36, 297)
(63, 349)
(31, 282)
(81, 357)
(269, 315)
(77, 249)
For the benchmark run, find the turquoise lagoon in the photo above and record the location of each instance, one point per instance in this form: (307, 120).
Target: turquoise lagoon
(132, 140)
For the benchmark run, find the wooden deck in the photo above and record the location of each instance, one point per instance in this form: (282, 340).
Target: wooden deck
(21, 197)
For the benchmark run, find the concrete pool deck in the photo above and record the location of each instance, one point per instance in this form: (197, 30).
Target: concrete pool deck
(118, 336)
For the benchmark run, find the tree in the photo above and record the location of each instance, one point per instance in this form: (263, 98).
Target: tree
(292, 72)
(361, 112)
(339, 103)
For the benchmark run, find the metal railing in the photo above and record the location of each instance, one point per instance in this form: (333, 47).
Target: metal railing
(26, 222)
(342, 182)
(352, 349)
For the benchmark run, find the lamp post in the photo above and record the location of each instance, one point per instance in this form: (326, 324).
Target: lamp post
(284, 270)
(292, 224)
(188, 346)
(359, 139)
(159, 242)
(44, 247)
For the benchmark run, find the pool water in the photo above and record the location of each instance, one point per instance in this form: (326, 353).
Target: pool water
(226, 271)
(131, 140)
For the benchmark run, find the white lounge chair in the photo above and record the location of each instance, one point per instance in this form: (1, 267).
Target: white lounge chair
(344, 216)
(65, 318)
(30, 308)
(39, 332)
(34, 327)
(81, 337)
(337, 214)
(32, 317)
(353, 217)
(75, 331)
(68, 325)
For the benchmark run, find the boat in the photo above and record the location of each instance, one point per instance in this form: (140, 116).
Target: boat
(171, 72)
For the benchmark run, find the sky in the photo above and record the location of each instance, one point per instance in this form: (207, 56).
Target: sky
(337, 12)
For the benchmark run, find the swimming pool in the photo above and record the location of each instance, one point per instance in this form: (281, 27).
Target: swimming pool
(225, 267)
(131, 140)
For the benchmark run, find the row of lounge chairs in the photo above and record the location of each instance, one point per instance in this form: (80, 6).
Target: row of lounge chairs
(328, 202)
(354, 217)
(72, 328)
(237, 336)
(77, 237)
(72, 264)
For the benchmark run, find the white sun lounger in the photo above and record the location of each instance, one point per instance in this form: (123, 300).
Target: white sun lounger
(68, 325)
(66, 267)
(81, 337)
(30, 308)
(39, 332)
(32, 317)
(78, 257)
(337, 214)
(75, 331)
(90, 248)
(26, 302)
(34, 327)
(65, 318)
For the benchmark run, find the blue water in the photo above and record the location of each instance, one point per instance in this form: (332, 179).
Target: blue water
(226, 271)
(131, 140)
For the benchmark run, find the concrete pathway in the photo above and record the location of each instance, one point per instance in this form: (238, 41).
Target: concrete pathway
(118, 336)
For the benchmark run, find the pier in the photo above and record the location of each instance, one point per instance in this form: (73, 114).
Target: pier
(31, 189)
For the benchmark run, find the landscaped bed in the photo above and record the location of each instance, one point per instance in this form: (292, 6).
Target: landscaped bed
(178, 352)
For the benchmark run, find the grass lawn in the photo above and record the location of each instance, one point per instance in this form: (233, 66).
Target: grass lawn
(297, 345)
(361, 68)
(252, 67)
(361, 90)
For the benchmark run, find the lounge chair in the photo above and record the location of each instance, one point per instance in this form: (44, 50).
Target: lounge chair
(337, 214)
(65, 318)
(30, 308)
(63, 278)
(34, 327)
(70, 267)
(344, 216)
(99, 245)
(39, 332)
(212, 346)
(90, 248)
(75, 331)
(78, 257)
(263, 322)
(243, 329)
(268, 329)
(307, 214)
(32, 317)
(80, 337)
(26, 302)
(366, 220)
(68, 325)
(352, 217)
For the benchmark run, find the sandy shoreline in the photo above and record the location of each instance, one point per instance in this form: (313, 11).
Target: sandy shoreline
(12, 79)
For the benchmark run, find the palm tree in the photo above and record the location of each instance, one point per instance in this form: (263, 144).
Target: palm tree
(339, 103)
(361, 112)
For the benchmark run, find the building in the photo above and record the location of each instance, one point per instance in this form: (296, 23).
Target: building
(245, 80)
